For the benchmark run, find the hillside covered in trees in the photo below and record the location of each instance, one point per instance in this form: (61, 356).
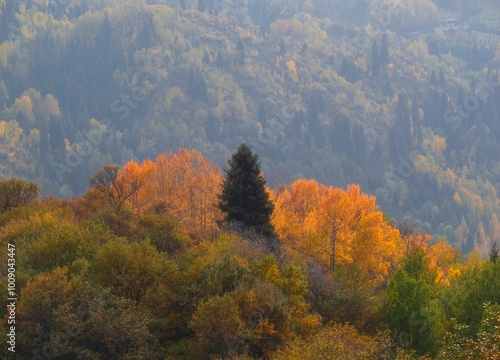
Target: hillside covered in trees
(372, 236)
(380, 100)
(373, 93)
(147, 264)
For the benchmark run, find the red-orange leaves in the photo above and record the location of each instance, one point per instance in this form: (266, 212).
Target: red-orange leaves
(184, 185)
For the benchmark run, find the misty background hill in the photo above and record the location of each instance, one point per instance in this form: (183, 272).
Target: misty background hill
(401, 97)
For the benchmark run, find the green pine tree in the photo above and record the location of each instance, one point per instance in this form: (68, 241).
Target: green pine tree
(244, 198)
(4, 95)
(375, 59)
(494, 253)
(434, 79)
(384, 50)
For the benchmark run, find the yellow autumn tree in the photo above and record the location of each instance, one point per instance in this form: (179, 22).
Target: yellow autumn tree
(293, 210)
(442, 256)
(335, 219)
(445, 259)
(24, 107)
(336, 226)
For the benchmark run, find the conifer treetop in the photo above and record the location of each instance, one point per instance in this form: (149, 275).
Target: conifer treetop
(244, 198)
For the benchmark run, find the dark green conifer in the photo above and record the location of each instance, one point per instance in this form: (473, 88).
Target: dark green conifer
(244, 198)
(494, 253)
(434, 79)
(375, 59)
(384, 50)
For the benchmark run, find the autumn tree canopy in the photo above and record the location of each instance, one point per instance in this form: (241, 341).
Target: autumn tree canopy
(335, 226)
(17, 192)
(111, 184)
(136, 284)
(184, 185)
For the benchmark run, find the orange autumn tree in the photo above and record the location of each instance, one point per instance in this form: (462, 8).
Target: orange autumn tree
(293, 212)
(115, 187)
(336, 226)
(184, 185)
(411, 241)
(442, 257)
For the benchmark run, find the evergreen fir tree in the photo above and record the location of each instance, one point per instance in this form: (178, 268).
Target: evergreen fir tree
(434, 48)
(296, 126)
(56, 134)
(196, 85)
(282, 47)
(4, 95)
(315, 127)
(384, 50)
(375, 59)
(304, 49)
(241, 51)
(219, 60)
(442, 79)
(212, 128)
(244, 198)
(4, 24)
(146, 36)
(344, 68)
(202, 6)
(434, 79)
(206, 58)
(359, 141)
(261, 115)
(403, 124)
(416, 123)
(494, 253)
(8, 19)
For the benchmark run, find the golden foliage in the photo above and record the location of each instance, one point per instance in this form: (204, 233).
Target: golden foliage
(336, 342)
(185, 185)
(315, 220)
(282, 27)
(292, 71)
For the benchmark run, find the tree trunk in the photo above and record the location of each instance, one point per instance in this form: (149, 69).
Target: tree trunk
(332, 259)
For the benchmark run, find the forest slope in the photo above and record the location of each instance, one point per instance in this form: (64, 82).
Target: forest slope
(138, 268)
(380, 99)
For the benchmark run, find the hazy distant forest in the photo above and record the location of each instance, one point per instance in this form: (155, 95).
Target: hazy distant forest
(376, 100)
